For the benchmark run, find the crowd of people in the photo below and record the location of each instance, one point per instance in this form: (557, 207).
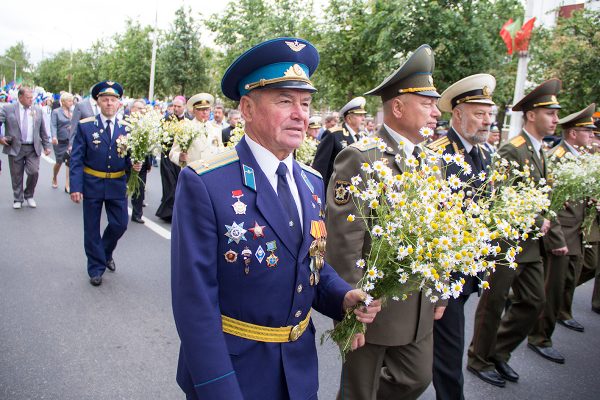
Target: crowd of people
(249, 257)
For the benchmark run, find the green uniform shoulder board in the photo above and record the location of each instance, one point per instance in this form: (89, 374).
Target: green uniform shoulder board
(364, 147)
(218, 161)
(517, 141)
(309, 169)
(88, 119)
(441, 142)
(559, 152)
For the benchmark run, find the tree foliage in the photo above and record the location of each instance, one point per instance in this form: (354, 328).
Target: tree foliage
(571, 52)
(18, 53)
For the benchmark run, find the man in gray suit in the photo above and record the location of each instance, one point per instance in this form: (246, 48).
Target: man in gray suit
(25, 135)
(84, 109)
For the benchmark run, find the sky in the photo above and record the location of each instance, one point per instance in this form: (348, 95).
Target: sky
(45, 27)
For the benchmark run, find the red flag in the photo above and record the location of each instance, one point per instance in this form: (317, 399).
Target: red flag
(523, 35)
(505, 35)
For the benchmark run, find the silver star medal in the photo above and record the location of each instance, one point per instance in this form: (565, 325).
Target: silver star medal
(235, 233)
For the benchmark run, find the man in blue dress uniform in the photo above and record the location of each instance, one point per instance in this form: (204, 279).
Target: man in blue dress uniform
(248, 241)
(98, 163)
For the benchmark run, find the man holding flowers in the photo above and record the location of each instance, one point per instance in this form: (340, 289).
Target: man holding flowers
(470, 103)
(563, 244)
(496, 335)
(397, 357)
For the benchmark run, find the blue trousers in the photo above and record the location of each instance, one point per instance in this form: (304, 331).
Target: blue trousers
(99, 249)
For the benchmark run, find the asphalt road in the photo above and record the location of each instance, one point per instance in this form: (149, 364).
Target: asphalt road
(61, 338)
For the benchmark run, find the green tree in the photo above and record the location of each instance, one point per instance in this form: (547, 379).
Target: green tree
(18, 53)
(182, 67)
(569, 51)
(52, 72)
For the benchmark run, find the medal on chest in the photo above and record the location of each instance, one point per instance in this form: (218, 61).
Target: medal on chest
(317, 250)
(238, 206)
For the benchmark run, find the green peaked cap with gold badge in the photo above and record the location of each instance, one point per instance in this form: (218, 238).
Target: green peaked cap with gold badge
(414, 76)
(543, 96)
(580, 119)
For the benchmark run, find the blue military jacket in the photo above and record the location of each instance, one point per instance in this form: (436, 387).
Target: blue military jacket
(208, 281)
(93, 148)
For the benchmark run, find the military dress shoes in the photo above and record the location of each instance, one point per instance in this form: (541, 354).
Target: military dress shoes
(506, 371)
(571, 324)
(491, 377)
(96, 280)
(549, 353)
(110, 264)
(137, 219)
(17, 205)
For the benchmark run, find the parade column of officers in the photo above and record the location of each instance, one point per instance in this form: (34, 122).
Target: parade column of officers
(259, 239)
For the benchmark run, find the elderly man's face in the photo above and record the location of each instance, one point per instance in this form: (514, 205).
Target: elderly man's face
(418, 111)
(108, 105)
(138, 107)
(473, 121)
(234, 120)
(202, 114)
(313, 132)
(26, 99)
(581, 137)
(178, 107)
(277, 118)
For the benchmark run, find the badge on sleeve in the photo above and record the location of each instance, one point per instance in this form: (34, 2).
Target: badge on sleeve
(235, 233)
(342, 194)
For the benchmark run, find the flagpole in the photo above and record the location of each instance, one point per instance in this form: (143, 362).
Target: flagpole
(153, 65)
(516, 117)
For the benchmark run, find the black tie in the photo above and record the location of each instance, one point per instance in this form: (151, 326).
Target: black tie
(416, 154)
(289, 204)
(474, 153)
(108, 131)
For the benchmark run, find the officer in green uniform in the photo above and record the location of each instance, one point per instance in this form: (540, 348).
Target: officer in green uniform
(591, 253)
(563, 243)
(495, 336)
(582, 125)
(396, 361)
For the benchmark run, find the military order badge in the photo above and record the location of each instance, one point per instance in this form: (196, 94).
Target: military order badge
(342, 194)
(317, 250)
(238, 206)
(235, 233)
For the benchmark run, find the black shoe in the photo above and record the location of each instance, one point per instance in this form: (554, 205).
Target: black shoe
(110, 264)
(549, 353)
(491, 377)
(506, 371)
(596, 310)
(138, 220)
(96, 280)
(571, 324)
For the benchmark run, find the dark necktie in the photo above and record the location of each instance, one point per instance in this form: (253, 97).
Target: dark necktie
(289, 204)
(416, 154)
(108, 131)
(474, 153)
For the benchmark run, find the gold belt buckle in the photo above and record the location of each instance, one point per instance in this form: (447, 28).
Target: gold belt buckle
(295, 333)
(107, 175)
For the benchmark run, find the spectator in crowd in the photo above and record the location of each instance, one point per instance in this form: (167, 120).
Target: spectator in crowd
(234, 118)
(219, 117)
(137, 201)
(60, 127)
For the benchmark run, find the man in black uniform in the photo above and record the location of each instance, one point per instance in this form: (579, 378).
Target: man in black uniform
(470, 102)
(332, 142)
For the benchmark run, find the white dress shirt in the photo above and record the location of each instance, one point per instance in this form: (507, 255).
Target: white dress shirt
(537, 144)
(112, 124)
(403, 142)
(572, 149)
(268, 164)
(29, 122)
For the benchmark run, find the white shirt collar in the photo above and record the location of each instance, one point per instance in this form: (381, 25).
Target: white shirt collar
(351, 131)
(466, 144)
(537, 144)
(22, 108)
(571, 148)
(403, 142)
(267, 161)
(112, 121)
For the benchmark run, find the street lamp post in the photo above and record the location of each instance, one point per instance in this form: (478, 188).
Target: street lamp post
(15, 70)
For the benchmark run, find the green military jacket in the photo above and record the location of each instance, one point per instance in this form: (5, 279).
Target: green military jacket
(566, 230)
(521, 150)
(400, 322)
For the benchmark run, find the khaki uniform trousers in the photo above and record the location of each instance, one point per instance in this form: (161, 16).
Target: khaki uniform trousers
(376, 372)
(495, 336)
(572, 275)
(591, 270)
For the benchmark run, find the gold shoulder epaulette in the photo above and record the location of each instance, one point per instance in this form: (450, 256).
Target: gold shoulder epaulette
(517, 141)
(336, 129)
(559, 152)
(441, 142)
(361, 146)
(88, 119)
(310, 169)
(218, 161)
